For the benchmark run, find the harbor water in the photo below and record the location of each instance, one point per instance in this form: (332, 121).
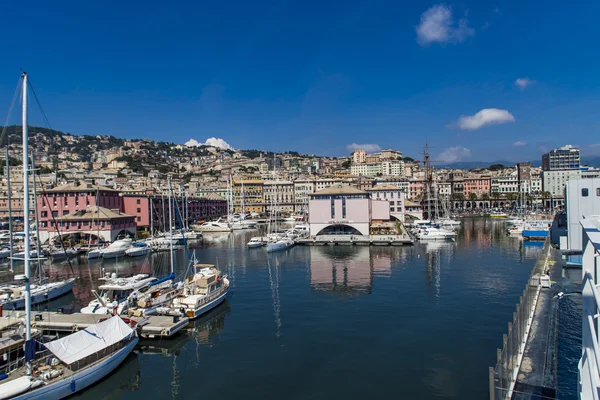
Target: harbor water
(322, 322)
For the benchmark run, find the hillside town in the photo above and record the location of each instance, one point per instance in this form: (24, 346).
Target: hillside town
(215, 179)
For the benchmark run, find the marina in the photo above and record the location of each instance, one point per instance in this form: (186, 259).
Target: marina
(272, 312)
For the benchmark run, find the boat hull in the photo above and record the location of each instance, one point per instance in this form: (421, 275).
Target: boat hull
(278, 246)
(208, 306)
(55, 292)
(111, 254)
(82, 379)
(138, 252)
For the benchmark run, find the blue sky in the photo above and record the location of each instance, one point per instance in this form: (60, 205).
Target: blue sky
(316, 76)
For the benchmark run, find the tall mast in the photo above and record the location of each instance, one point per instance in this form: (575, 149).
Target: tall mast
(37, 224)
(10, 223)
(26, 225)
(151, 217)
(164, 214)
(170, 222)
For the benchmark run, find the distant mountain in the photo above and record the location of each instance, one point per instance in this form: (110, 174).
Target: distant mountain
(591, 161)
(484, 164)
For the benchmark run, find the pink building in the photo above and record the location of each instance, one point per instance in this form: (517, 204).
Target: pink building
(68, 199)
(344, 210)
(394, 196)
(92, 224)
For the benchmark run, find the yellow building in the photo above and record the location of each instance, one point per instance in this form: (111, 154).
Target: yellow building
(252, 195)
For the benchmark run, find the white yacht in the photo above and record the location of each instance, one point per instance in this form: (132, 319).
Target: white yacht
(431, 233)
(138, 249)
(116, 249)
(449, 222)
(257, 242)
(115, 289)
(202, 292)
(215, 226)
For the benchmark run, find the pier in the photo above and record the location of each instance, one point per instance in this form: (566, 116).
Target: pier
(153, 327)
(350, 240)
(526, 364)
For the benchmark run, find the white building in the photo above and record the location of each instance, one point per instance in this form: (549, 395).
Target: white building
(392, 168)
(554, 182)
(366, 169)
(394, 195)
(303, 188)
(359, 156)
(582, 201)
(505, 184)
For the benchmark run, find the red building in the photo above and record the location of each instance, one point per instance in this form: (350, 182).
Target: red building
(191, 210)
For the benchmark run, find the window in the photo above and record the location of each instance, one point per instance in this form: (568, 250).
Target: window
(139, 219)
(344, 208)
(391, 209)
(55, 213)
(44, 214)
(332, 208)
(66, 212)
(138, 201)
(598, 192)
(584, 192)
(139, 210)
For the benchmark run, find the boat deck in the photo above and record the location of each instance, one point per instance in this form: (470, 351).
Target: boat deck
(153, 327)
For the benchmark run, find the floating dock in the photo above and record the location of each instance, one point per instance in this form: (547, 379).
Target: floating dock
(153, 327)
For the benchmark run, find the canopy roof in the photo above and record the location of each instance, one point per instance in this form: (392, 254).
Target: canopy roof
(91, 340)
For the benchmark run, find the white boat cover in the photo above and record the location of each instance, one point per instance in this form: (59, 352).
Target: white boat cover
(91, 340)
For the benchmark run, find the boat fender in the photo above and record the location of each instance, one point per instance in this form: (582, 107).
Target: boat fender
(52, 374)
(73, 387)
(3, 376)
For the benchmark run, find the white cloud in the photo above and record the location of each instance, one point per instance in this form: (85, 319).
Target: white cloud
(487, 116)
(523, 83)
(519, 143)
(438, 26)
(454, 154)
(214, 142)
(368, 147)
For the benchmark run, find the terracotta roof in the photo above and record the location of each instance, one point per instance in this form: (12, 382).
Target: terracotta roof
(338, 189)
(214, 196)
(408, 203)
(73, 187)
(95, 213)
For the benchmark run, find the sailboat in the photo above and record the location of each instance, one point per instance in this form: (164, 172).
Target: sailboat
(277, 241)
(70, 364)
(12, 296)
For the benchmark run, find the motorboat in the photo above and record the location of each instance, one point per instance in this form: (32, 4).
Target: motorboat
(94, 253)
(116, 249)
(202, 292)
(115, 289)
(448, 222)
(289, 219)
(138, 249)
(214, 226)
(432, 233)
(63, 254)
(12, 296)
(498, 214)
(281, 244)
(146, 301)
(248, 224)
(257, 242)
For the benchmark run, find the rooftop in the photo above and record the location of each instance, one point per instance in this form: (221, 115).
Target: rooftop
(338, 189)
(93, 213)
(78, 187)
(383, 187)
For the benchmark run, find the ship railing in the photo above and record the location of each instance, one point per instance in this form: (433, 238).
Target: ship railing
(503, 376)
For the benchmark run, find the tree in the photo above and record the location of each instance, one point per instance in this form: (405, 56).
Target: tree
(546, 195)
(496, 167)
(346, 164)
(473, 196)
(485, 196)
(409, 159)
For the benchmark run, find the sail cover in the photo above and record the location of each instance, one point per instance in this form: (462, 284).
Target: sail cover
(91, 340)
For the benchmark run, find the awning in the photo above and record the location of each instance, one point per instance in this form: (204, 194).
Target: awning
(91, 340)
